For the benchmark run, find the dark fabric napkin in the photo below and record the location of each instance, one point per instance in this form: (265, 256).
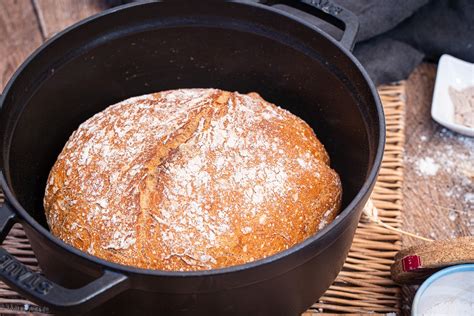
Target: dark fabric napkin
(395, 36)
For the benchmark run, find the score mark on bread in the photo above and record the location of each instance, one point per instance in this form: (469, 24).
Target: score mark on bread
(190, 179)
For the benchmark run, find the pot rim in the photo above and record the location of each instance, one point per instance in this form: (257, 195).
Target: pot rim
(351, 207)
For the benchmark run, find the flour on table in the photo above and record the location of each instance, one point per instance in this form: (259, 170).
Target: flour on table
(427, 167)
(454, 161)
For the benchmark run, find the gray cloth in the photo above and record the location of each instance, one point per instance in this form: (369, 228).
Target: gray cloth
(384, 58)
(387, 60)
(395, 36)
(439, 27)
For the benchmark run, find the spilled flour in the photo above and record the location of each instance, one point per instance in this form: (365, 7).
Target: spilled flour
(455, 157)
(452, 160)
(427, 166)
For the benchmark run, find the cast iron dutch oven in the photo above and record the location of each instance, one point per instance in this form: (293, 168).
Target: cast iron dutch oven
(148, 47)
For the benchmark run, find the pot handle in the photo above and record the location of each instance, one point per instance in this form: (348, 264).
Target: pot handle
(330, 12)
(40, 290)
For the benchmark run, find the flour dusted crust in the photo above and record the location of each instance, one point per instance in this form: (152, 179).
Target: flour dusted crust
(190, 179)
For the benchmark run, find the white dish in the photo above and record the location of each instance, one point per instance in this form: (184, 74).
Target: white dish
(456, 73)
(447, 292)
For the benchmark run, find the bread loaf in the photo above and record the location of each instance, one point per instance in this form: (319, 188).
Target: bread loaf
(190, 179)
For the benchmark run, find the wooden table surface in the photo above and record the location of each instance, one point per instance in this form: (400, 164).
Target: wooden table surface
(438, 188)
(439, 168)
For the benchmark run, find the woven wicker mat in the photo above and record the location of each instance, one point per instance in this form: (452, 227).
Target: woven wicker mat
(364, 285)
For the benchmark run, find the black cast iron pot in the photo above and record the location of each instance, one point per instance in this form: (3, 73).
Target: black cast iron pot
(143, 48)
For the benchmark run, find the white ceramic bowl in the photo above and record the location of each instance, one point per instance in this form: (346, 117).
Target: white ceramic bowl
(447, 292)
(458, 74)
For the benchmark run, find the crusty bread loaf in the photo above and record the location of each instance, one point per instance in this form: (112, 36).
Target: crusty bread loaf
(190, 179)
